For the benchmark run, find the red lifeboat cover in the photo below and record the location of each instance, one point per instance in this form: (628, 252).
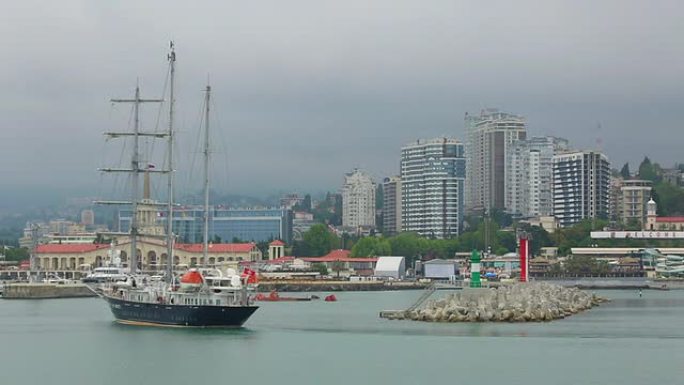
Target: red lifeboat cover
(250, 274)
(192, 277)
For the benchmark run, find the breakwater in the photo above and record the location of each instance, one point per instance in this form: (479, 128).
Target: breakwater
(45, 291)
(530, 302)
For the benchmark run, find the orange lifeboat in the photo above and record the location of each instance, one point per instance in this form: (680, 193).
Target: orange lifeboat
(192, 280)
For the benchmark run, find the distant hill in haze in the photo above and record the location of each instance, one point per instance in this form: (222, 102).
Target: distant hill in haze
(12, 197)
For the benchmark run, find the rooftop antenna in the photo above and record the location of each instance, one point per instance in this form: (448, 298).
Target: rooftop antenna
(599, 138)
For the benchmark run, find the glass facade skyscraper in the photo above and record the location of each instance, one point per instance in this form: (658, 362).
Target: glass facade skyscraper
(247, 225)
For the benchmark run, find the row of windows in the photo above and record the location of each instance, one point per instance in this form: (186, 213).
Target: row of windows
(201, 301)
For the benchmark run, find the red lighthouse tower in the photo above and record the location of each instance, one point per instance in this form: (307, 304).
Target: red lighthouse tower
(524, 254)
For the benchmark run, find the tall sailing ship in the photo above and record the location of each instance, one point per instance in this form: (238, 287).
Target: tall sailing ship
(206, 297)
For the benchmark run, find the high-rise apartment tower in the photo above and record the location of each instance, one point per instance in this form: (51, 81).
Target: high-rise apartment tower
(391, 206)
(433, 187)
(489, 138)
(581, 183)
(358, 200)
(529, 175)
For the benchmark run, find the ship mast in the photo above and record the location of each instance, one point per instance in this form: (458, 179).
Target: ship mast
(169, 207)
(205, 248)
(135, 170)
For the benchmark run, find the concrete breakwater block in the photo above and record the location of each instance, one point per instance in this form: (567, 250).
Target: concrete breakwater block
(523, 302)
(46, 291)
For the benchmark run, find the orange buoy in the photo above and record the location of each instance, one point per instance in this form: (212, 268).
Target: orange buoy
(331, 298)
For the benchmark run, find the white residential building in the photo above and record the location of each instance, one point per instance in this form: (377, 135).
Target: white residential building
(433, 187)
(518, 178)
(358, 200)
(529, 176)
(581, 182)
(489, 138)
(634, 197)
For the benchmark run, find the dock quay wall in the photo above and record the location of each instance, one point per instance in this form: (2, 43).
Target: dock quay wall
(304, 286)
(619, 283)
(45, 291)
(581, 283)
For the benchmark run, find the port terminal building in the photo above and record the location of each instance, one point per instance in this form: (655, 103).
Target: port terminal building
(152, 254)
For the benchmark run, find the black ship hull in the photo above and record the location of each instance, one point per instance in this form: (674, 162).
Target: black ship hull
(138, 313)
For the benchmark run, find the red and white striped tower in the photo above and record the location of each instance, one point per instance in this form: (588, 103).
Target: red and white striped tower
(524, 253)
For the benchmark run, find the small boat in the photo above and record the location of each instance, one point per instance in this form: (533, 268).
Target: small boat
(330, 298)
(275, 297)
(57, 280)
(105, 274)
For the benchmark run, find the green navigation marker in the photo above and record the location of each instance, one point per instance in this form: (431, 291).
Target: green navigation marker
(475, 269)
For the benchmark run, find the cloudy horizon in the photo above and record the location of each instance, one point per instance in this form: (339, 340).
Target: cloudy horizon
(307, 90)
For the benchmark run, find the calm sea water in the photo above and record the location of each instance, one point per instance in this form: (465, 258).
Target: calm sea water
(630, 340)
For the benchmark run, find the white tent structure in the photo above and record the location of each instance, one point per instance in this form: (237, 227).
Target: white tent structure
(390, 267)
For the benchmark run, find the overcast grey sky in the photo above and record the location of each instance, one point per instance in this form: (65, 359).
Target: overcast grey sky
(306, 90)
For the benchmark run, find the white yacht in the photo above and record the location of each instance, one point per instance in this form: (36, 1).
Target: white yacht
(105, 274)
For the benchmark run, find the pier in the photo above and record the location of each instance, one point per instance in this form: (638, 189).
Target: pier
(46, 291)
(329, 285)
(23, 275)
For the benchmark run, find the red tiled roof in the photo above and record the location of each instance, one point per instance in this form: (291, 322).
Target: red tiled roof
(69, 248)
(670, 219)
(336, 254)
(277, 242)
(217, 247)
(323, 259)
(339, 255)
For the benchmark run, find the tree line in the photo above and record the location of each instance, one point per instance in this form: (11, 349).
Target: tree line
(320, 240)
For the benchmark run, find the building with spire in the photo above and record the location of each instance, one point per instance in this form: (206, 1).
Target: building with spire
(656, 223)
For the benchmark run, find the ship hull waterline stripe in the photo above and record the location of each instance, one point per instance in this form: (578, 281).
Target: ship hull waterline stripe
(180, 315)
(163, 325)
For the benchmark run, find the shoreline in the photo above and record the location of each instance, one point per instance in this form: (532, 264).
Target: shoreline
(580, 283)
(316, 286)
